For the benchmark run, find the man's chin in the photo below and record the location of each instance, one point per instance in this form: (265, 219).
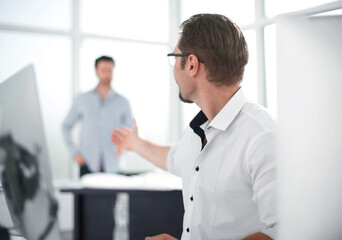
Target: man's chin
(183, 99)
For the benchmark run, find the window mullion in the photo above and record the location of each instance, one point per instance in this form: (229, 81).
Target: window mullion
(260, 46)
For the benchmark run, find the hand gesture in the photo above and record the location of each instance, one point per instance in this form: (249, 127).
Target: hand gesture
(126, 139)
(79, 159)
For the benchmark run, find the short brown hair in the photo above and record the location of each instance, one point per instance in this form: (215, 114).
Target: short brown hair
(217, 41)
(104, 58)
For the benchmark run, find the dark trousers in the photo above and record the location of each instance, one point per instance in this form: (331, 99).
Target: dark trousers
(84, 170)
(4, 234)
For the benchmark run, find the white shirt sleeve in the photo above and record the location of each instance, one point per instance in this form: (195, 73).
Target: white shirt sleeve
(171, 164)
(262, 170)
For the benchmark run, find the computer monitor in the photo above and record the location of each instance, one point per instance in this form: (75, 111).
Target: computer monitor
(24, 163)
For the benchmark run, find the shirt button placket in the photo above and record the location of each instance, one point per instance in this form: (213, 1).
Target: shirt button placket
(192, 199)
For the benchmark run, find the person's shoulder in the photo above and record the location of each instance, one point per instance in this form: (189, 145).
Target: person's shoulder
(259, 116)
(119, 97)
(86, 94)
(84, 98)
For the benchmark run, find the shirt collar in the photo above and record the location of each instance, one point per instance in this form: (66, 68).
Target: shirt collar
(228, 113)
(224, 118)
(196, 123)
(111, 93)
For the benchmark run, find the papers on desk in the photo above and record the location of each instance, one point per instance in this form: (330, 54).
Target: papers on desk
(67, 184)
(155, 180)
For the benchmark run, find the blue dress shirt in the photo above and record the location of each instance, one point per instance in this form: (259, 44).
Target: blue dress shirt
(98, 118)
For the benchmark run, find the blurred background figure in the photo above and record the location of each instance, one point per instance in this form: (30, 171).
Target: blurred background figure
(100, 111)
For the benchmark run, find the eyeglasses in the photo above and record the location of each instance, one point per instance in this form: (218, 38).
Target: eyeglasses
(172, 57)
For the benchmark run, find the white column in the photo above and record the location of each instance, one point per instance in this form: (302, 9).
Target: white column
(176, 114)
(310, 128)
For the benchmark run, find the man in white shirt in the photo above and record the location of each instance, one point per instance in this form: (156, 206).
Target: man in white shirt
(226, 158)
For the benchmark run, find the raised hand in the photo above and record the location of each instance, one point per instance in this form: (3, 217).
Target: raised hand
(125, 139)
(128, 139)
(79, 159)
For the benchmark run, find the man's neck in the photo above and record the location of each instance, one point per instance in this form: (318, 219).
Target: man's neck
(214, 98)
(103, 90)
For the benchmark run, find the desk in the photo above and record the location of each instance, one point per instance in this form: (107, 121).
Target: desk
(151, 212)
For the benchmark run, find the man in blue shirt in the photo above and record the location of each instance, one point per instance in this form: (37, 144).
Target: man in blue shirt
(100, 111)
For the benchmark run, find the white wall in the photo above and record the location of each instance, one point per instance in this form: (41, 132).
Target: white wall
(310, 128)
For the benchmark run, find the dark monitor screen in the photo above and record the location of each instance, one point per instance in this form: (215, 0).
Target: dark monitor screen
(24, 164)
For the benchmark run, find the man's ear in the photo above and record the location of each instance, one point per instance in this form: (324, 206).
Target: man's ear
(193, 65)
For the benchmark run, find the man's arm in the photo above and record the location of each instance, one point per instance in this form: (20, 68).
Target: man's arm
(67, 127)
(128, 139)
(261, 156)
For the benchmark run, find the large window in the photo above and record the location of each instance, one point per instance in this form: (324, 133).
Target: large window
(138, 41)
(274, 8)
(51, 57)
(62, 38)
(241, 12)
(130, 19)
(140, 74)
(271, 66)
(51, 14)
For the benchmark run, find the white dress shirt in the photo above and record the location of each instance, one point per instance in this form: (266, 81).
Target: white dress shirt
(229, 188)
